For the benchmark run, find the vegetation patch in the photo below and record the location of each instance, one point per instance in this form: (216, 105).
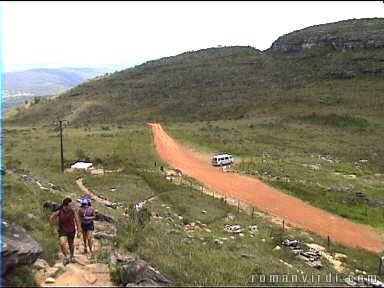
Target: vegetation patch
(335, 120)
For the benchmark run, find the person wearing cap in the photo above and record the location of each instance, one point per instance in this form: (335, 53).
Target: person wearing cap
(87, 215)
(68, 222)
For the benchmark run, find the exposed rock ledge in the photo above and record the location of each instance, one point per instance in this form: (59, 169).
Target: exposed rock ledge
(18, 248)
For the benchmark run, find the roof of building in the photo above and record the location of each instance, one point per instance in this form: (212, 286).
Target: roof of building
(81, 165)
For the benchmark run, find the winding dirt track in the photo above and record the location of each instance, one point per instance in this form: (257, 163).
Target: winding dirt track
(264, 197)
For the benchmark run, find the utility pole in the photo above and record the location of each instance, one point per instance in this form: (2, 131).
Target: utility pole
(61, 145)
(60, 123)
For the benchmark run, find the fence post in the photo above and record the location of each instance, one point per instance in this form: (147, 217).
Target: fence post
(238, 206)
(253, 212)
(381, 265)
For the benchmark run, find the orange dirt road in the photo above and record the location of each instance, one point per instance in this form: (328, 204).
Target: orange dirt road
(264, 197)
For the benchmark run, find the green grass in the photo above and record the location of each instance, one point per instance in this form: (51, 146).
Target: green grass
(22, 205)
(20, 277)
(161, 243)
(202, 261)
(120, 187)
(281, 152)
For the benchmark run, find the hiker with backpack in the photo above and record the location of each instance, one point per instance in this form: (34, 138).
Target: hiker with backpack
(87, 216)
(68, 224)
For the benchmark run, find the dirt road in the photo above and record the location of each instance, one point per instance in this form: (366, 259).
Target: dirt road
(264, 197)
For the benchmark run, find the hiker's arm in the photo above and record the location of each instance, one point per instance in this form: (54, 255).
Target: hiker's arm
(93, 217)
(53, 215)
(80, 215)
(77, 221)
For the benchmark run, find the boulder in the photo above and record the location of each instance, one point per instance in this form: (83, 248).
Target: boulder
(55, 187)
(53, 206)
(341, 74)
(137, 272)
(103, 217)
(18, 248)
(41, 264)
(50, 280)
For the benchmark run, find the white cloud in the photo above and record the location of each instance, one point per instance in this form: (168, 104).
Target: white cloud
(93, 33)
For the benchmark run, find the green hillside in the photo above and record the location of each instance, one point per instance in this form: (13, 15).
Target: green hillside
(238, 82)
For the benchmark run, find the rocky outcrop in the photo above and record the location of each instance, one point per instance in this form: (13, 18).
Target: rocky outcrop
(103, 217)
(134, 271)
(341, 74)
(18, 248)
(50, 205)
(374, 71)
(348, 34)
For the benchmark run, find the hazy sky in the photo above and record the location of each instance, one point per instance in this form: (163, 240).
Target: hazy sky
(58, 34)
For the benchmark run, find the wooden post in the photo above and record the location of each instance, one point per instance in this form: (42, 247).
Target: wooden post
(283, 225)
(61, 146)
(381, 265)
(238, 206)
(253, 212)
(328, 241)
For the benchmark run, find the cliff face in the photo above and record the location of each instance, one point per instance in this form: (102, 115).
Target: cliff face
(349, 34)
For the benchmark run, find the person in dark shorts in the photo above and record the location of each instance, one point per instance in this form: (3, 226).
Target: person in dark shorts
(68, 222)
(87, 215)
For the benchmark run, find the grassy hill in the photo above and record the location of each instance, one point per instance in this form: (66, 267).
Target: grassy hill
(238, 82)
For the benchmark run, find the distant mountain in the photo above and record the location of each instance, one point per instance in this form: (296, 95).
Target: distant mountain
(22, 86)
(45, 81)
(329, 68)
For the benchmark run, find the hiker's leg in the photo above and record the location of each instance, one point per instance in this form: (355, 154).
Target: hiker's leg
(63, 245)
(71, 246)
(85, 240)
(89, 237)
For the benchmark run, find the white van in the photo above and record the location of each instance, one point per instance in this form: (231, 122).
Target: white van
(222, 159)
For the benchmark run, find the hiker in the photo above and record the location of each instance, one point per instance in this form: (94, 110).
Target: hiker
(87, 215)
(68, 222)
